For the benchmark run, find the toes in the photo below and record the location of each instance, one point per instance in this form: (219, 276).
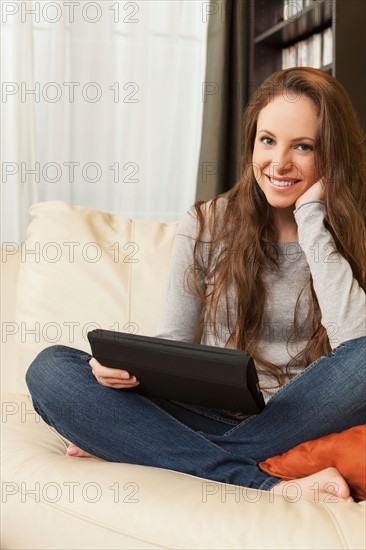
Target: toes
(72, 450)
(75, 451)
(328, 485)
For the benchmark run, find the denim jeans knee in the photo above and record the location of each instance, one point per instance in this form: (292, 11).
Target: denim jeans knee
(50, 363)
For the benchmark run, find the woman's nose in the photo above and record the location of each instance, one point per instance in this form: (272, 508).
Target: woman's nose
(282, 162)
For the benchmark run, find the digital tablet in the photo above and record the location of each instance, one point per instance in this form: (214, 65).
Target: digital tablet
(180, 371)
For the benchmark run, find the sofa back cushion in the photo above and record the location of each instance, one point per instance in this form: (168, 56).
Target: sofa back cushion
(83, 269)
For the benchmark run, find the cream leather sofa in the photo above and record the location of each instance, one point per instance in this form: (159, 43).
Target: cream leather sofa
(90, 269)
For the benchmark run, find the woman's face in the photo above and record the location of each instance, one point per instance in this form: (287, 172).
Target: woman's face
(283, 154)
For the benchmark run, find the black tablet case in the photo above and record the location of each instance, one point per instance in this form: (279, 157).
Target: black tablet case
(180, 371)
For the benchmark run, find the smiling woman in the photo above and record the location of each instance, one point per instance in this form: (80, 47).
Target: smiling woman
(299, 128)
(284, 156)
(301, 316)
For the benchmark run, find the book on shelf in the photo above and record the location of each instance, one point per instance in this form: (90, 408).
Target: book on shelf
(327, 46)
(293, 8)
(315, 51)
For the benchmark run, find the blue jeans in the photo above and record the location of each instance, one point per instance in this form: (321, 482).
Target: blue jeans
(123, 426)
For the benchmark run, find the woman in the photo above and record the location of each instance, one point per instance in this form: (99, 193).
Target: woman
(277, 264)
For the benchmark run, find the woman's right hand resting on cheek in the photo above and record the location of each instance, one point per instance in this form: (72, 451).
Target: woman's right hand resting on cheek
(113, 378)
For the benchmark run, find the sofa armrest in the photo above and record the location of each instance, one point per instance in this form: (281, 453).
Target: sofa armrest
(10, 263)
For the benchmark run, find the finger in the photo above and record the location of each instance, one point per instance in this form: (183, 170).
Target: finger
(117, 379)
(114, 378)
(129, 380)
(102, 370)
(122, 383)
(107, 372)
(118, 385)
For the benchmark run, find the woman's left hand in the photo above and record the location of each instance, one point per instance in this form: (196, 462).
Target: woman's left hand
(314, 193)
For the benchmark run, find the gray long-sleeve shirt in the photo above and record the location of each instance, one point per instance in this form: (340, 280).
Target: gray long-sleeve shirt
(342, 301)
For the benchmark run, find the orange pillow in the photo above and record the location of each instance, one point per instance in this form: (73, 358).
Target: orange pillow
(346, 451)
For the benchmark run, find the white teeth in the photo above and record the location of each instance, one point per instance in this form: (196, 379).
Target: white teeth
(282, 183)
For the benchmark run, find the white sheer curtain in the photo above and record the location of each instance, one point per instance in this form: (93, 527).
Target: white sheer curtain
(102, 106)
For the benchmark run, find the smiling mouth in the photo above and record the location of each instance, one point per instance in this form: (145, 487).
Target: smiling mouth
(284, 182)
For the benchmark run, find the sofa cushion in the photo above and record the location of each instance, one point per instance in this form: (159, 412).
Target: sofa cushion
(51, 500)
(82, 269)
(345, 451)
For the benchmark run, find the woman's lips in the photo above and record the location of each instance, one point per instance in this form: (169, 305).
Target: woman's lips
(282, 184)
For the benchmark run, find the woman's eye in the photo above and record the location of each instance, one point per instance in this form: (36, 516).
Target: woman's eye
(305, 147)
(267, 140)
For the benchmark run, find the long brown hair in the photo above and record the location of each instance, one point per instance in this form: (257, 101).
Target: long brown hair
(242, 243)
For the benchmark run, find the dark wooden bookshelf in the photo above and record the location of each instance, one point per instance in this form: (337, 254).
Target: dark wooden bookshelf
(309, 21)
(270, 34)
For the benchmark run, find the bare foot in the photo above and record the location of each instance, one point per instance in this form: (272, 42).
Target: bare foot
(325, 486)
(75, 451)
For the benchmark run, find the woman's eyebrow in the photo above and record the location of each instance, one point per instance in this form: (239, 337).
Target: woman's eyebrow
(266, 132)
(302, 138)
(295, 139)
